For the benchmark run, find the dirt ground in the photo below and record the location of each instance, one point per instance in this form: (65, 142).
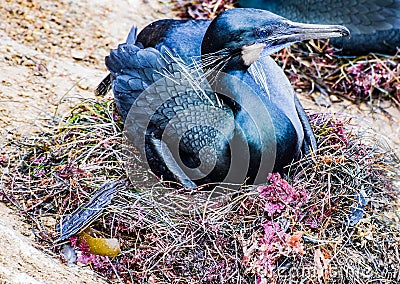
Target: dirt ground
(53, 51)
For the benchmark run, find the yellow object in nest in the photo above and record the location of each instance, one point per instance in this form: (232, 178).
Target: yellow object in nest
(101, 246)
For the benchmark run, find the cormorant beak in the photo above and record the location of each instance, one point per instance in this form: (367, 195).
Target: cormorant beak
(295, 32)
(287, 34)
(274, 37)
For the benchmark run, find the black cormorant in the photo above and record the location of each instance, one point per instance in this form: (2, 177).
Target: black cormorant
(233, 116)
(374, 24)
(230, 117)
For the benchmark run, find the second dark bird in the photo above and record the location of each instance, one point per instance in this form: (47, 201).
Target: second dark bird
(205, 103)
(374, 24)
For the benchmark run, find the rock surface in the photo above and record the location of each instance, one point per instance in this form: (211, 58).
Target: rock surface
(22, 263)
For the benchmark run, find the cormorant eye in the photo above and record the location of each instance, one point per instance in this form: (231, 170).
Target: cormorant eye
(263, 33)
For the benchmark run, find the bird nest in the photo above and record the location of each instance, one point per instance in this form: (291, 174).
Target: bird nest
(315, 69)
(332, 219)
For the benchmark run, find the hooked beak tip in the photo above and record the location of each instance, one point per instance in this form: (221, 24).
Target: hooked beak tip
(344, 31)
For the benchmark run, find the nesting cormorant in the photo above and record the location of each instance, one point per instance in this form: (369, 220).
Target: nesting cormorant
(237, 121)
(374, 24)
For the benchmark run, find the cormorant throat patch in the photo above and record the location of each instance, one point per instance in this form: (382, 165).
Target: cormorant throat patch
(250, 53)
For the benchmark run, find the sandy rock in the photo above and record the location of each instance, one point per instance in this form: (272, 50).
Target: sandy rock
(21, 263)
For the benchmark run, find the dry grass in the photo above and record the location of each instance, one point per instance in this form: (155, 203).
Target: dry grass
(314, 68)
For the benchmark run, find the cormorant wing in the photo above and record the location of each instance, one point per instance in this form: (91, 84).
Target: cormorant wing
(169, 111)
(362, 17)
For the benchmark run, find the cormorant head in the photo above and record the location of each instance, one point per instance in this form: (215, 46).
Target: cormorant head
(241, 34)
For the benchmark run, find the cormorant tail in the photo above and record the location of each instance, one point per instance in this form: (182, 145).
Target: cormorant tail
(105, 85)
(134, 69)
